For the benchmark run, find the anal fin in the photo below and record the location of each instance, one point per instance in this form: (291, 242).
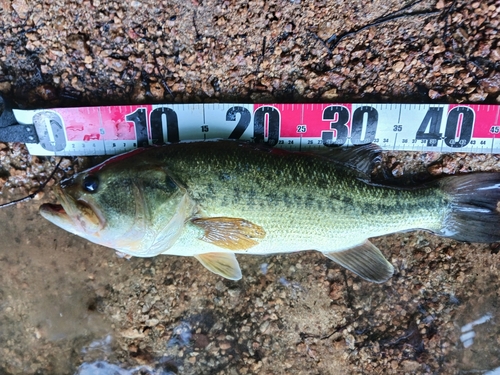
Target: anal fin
(364, 260)
(223, 264)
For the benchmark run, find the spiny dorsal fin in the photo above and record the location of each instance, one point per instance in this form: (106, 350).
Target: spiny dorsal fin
(364, 260)
(229, 232)
(363, 158)
(223, 264)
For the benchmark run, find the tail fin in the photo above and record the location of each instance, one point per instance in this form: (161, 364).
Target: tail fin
(474, 214)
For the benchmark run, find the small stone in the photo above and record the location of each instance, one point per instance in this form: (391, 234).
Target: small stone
(336, 292)
(326, 30)
(256, 367)
(300, 86)
(477, 96)
(46, 92)
(440, 4)
(38, 196)
(410, 366)
(157, 90)
(115, 64)
(397, 170)
(152, 322)
(439, 49)
(449, 69)
(21, 8)
(76, 41)
(491, 85)
(350, 341)
(132, 333)
(5, 86)
(264, 326)
(330, 94)
(225, 345)
(200, 340)
(149, 68)
(132, 34)
(398, 66)
(495, 54)
(435, 169)
(77, 84)
(433, 94)
(462, 33)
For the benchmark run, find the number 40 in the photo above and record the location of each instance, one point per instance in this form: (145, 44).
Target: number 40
(459, 125)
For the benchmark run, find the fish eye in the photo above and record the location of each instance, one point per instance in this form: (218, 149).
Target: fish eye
(90, 184)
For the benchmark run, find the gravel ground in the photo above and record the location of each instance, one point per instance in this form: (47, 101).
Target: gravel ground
(66, 303)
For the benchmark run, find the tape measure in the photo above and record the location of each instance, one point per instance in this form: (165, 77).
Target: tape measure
(110, 130)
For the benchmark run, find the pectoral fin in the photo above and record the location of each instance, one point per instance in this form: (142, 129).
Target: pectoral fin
(364, 260)
(229, 232)
(223, 264)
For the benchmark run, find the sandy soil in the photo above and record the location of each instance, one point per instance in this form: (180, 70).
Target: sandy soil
(66, 303)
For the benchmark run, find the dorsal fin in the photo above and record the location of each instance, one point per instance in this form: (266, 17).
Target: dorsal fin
(362, 158)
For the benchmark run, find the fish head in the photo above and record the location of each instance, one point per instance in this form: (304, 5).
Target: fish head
(132, 206)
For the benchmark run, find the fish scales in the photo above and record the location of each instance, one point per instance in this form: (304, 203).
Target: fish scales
(293, 194)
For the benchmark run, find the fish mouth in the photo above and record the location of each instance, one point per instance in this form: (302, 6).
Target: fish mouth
(57, 215)
(55, 209)
(75, 216)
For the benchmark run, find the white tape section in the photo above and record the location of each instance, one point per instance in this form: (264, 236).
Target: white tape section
(110, 130)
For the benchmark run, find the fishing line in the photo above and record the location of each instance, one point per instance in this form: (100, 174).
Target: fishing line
(33, 195)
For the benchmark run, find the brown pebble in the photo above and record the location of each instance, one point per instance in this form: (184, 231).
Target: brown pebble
(495, 55)
(477, 97)
(435, 169)
(491, 85)
(397, 67)
(115, 64)
(46, 92)
(433, 94)
(21, 7)
(330, 94)
(397, 170)
(157, 90)
(224, 345)
(200, 340)
(336, 292)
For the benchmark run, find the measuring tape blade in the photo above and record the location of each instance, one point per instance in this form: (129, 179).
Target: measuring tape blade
(110, 130)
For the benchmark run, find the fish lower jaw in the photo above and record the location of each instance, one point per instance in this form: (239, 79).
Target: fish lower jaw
(49, 208)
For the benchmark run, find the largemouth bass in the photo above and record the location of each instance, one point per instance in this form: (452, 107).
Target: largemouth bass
(212, 200)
